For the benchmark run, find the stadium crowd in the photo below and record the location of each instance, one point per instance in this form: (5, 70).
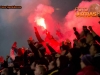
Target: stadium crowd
(83, 58)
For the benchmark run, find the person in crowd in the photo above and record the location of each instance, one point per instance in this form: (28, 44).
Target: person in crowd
(28, 57)
(95, 53)
(52, 50)
(5, 67)
(49, 58)
(86, 66)
(35, 48)
(76, 33)
(40, 70)
(89, 39)
(96, 37)
(84, 32)
(68, 61)
(82, 42)
(76, 44)
(52, 68)
(64, 48)
(67, 42)
(4, 71)
(84, 47)
(13, 51)
(62, 64)
(74, 62)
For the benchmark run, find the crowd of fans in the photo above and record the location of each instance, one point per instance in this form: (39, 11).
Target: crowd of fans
(81, 59)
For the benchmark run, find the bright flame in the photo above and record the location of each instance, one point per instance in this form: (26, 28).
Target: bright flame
(41, 22)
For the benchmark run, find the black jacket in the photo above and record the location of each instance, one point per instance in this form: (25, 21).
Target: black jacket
(35, 51)
(96, 61)
(72, 69)
(97, 38)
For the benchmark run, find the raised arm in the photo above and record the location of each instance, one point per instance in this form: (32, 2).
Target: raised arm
(96, 36)
(33, 48)
(76, 33)
(13, 51)
(38, 35)
(51, 49)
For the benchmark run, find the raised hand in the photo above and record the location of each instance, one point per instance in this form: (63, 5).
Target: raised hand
(14, 45)
(30, 40)
(90, 28)
(74, 28)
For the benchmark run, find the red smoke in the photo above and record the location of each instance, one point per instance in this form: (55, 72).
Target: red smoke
(44, 12)
(41, 11)
(78, 22)
(71, 21)
(42, 17)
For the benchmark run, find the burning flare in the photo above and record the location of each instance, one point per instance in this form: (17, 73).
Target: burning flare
(41, 22)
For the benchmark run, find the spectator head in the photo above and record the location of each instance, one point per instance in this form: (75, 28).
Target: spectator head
(52, 65)
(84, 27)
(30, 40)
(40, 70)
(86, 60)
(67, 42)
(21, 51)
(42, 61)
(62, 62)
(89, 38)
(94, 49)
(74, 28)
(27, 55)
(74, 53)
(64, 49)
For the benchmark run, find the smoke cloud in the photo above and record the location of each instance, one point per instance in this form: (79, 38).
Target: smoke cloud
(72, 21)
(43, 11)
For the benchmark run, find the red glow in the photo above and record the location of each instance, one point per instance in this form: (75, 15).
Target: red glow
(40, 21)
(43, 14)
